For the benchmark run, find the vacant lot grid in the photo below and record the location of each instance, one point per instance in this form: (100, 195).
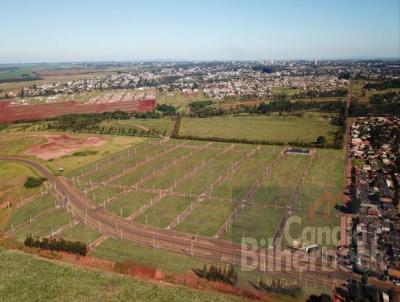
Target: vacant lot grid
(148, 168)
(108, 170)
(256, 223)
(125, 205)
(30, 210)
(206, 176)
(168, 177)
(323, 184)
(280, 185)
(207, 218)
(237, 184)
(164, 212)
(80, 233)
(114, 156)
(44, 226)
(101, 194)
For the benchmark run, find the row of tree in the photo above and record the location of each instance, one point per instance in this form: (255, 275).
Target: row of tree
(383, 85)
(380, 104)
(55, 244)
(280, 287)
(220, 273)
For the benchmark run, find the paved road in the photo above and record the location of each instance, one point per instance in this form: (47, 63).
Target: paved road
(200, 246)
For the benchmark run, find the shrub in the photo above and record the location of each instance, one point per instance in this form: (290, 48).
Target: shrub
(33, 182)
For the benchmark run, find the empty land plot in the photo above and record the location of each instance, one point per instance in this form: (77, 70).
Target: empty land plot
(102, 194)
(254, 222)
(207, 218)
(323, 181)
(125, 205)
(282, 181)
(150, 167)
(80, 233)
(162, 214)
(238, 184)
(316, 229)
(270, 128)
(168, 177)
(44, 226)
(207, 175)
(107, 170)
(113, 148)
(30, 210)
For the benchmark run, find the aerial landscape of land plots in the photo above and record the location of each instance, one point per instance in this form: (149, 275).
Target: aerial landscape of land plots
(193, 187)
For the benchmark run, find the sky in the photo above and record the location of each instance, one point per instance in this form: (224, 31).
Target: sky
(126, 30)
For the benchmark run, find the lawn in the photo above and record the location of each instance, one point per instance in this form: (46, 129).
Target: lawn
(30, 210)
(281, 183)
(239, 183)
(44, 226)
(325, 176)
(207, 218)
(271, 128)
(162, 214)
(28, 278)
(12, 179)
(80, 233)
(257, 223)
(127, 204)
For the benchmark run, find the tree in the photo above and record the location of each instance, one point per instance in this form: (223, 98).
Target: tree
(321, 140)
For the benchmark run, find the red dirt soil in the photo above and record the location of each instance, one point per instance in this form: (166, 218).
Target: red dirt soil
(11, 113)
(59, 145)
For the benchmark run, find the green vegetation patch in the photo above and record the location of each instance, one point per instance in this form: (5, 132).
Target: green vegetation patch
(272, 128)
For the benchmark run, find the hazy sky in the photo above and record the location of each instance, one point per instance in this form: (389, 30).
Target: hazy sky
(72, 30)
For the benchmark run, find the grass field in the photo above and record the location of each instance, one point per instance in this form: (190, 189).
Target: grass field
(12, 179)
(80, 233)
(271, 128)
(64, 282)
(129, 203)
(30, 210)
(162, 214)
(257, 223)
(44, 226)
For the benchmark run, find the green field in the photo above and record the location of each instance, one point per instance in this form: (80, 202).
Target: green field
(270, 128)
(257, 223)
(162, 214)
(19, 276)
(44, 226)
(80, 233)
(30, 210)
(129, 203)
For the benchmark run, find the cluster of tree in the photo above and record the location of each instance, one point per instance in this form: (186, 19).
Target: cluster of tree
(255, 142)
(33, 182)
(55, 244)
(320, 298)
(85, 153)
(380, 104)
(279, 286)
(290, 106)
(363, 291)
(166, 109)
(91, 123)
(319, 94)
(221, 273)
(264, 69)
(383, 85)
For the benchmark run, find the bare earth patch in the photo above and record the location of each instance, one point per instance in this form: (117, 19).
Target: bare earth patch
(58, 145)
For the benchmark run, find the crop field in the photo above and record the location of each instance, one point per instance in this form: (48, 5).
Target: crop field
(272, 128)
